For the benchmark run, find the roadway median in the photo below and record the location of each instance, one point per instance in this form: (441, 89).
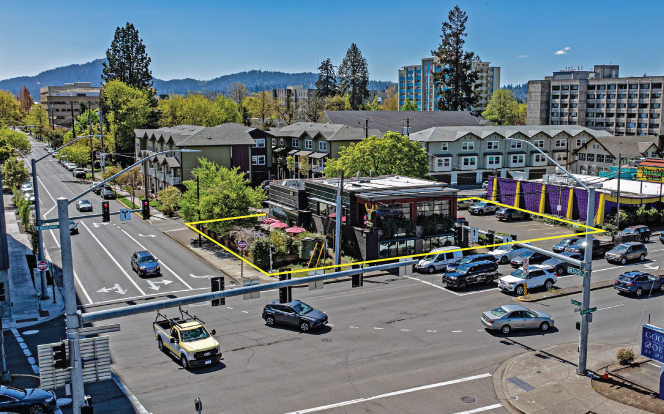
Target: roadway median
(556, 293)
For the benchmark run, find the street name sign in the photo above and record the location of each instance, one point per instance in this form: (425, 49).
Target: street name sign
(652, 346)
(576, 302)
(589, 310)
(51, 227)
(125, 214)
(578, 272)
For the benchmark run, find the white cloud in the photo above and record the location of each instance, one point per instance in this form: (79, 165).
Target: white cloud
(562, 51)
(566, 48)
(522, 56)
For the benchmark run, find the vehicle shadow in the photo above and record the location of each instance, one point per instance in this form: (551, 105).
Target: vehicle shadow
(198, 370)
(319, 331)
(522, 333)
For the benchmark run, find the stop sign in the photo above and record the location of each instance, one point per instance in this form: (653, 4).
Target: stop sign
(42, 265)
(241, 244)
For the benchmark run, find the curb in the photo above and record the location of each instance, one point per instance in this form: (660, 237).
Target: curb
(497, 378)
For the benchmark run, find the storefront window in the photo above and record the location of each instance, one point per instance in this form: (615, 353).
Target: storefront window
(428, 208)
(397, 248)
(393, 211)
(432, 243)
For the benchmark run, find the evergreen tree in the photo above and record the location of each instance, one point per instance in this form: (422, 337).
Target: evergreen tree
(326, 85)
(354, 77)
(127, 60)
(455, 82)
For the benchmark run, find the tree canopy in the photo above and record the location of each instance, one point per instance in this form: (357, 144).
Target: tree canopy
(10, 140)
(14, 172)
(503, 109)
(455, 83)
(391, 100)
(127, 59)
(196, 109)
(10, 109)
(392, 153)
(354, 77)
(408, 105)
(326, 85)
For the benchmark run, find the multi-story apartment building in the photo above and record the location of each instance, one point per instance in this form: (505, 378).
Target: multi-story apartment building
(60, 101)
(598, 99)
(601, 153)
(416, 83)
(298, 95)
(469, 155)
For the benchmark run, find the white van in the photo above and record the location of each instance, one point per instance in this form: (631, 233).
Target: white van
(438, 259)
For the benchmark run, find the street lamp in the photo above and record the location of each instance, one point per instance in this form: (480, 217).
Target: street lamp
(586, 265)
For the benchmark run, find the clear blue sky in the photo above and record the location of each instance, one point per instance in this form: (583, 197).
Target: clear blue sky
(206, 39)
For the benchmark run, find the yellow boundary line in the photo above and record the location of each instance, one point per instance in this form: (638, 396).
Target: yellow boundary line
(592, 230)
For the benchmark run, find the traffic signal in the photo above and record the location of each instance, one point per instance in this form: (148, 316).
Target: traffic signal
(218, 285)
(285, 293)
(146, 210)
(578, 326)
(457, 235)
(2, 292)
(105, 211)
(490, 237)
(60, 355)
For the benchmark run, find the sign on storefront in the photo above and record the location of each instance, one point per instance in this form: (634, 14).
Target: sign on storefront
(652, 346)
(652, 174)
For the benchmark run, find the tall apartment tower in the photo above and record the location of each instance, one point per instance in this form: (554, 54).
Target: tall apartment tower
(416, 83)
(598, 99)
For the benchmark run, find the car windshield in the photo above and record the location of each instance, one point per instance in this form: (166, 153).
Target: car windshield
(620, 248)
(429, 257)
(463, 268)
(146, 259)
(580, 242)
(15, 392)
(194, 334)
(624, 278)
(84, 202)
(628, 231)
(466, 260)
(519, 273)
(301, 308)
(526, 254)
(499, 312)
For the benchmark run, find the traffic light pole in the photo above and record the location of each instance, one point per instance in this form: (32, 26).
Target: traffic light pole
(40, 245)
(72, 317)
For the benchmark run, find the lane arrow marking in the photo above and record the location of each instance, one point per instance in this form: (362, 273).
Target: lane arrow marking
(116, 288)
(154, 285)
(201, 277)
(147, 235)
(648, 266)
(99, 224)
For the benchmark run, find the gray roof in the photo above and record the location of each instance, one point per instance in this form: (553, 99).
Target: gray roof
(226, 134)
(177, 133)
(449, 134)
(625, 146)
(395, 120)
(331, 132)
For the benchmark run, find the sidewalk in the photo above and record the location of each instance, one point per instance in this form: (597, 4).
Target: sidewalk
(23, 307)
(544, 381)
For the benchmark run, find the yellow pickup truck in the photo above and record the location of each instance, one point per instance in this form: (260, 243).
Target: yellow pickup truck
(187, 339)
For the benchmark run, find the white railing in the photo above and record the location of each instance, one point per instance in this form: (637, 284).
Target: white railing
(151, 171)
(318, 169)
(160, 176)
(173, 180)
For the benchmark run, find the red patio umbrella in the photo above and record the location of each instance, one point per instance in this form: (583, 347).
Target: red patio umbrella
(295, 230)
(334, 215)
(278, 225)
(269, 221)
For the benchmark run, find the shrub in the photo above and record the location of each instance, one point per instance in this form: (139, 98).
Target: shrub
(625, 356)
(278, 239)
(260, 251)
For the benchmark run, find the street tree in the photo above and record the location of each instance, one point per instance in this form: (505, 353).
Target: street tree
(290, 164)
(287, 110)
(127, 60)
(312, 108)
(455, 83)
(14, 172)
(78, 153)
(25, 99)
(337, 103)
(305, 167)
(196, 109)
(391, 100)
(238, 92)
(262, 106)
(326, 85)
(169, 198)
(392, 153)
(354, 77)
(374, 105)
(55, 136)
(502, 109)
(10, 109)
(39, 118)
(408, 105)
(10, 141)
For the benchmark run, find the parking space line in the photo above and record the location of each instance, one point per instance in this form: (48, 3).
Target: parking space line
(395, 393)
(610, 307)
(431, 284)
(481, 409)
(477, 291)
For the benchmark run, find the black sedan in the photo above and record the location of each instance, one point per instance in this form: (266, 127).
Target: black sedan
(560, 247)
(29, 400)
(560, 266)
(107, 193)
(73, 227)
(533, 258)
(294, 313)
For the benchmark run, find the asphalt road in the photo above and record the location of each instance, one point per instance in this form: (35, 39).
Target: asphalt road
(396, 345)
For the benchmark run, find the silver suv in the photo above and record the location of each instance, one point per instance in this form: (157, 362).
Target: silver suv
(625, 252)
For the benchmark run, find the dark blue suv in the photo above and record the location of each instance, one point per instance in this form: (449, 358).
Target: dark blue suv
(294, 313)
(470, 259)
(638, 283)
(144, 263)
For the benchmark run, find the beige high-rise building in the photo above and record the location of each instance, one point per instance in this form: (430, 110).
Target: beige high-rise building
(61, 101)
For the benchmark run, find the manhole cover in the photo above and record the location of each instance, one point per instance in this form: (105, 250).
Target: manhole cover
(326, 340)
(468, 399)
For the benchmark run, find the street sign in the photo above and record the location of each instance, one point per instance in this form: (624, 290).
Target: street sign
(559, 207)
(51, 227)
(242, 244)
(42, 265)
(125, 214)
(474, 235)
(652, 346)
(507, 239)
(576, 302)
(578, 310)
(578, 272)
(526, 265)
(589, 310)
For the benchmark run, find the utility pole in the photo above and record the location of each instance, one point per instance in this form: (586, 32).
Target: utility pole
(40, 244)
(101, 132)
(198, 198)
(587, 266)
(72, 321)
(407, 126)
(618, 193)
(339, 217)
(92, 153)
(366, 127)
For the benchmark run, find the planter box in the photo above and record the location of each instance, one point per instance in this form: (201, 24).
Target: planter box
(282, 261)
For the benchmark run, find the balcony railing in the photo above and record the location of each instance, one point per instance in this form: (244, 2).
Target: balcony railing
(160, 176)
(318, 169)
(170, 179)
(151, 171)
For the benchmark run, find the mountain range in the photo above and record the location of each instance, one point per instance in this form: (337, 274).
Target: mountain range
(254, 80)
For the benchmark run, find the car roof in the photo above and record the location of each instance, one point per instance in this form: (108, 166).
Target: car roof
(143, 253)
(512, 308)
(633, 273)
(291, 303)
(632, 243)
(477, 255)
(482, 262)
(444, 249)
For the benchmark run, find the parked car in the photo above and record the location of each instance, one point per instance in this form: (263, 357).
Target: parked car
(561, 267)
(29, 197)
(644, 231)
(461, 221)
(485, 185)
(482, 208)
(661, 237)
(265, 184)
(144, 263)
(98, 189)
(507, 317)
(107, 193)
(560, 247)
(510, 214)
(438, 259)
(70, 166)
(638, 283)
(84, 205)
(505, 254)
(532, 256)
(78, 173)
(294, 313)
(464, 204)
(599, 247)
(73, 227)
(54, 154)
(470, 259)
(471, 273)
(28, 400)
(537, 276)
(27, 188)
(625, 252)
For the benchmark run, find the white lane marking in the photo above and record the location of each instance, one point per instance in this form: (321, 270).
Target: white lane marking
(141, 297)
(245, 312)
(609, 307)
(162, 262)
(85, 292)
(654, 365)
(354, 327)
(47, 192)
(229, 307)
(114, 261)
(390, 394)
(456, 331)
(52, 208)
(431, 331)
(431, 284)
(378, 328)
(481, 409)
(477, 291)
(330, 324)
(405, 330)
(134, 401)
